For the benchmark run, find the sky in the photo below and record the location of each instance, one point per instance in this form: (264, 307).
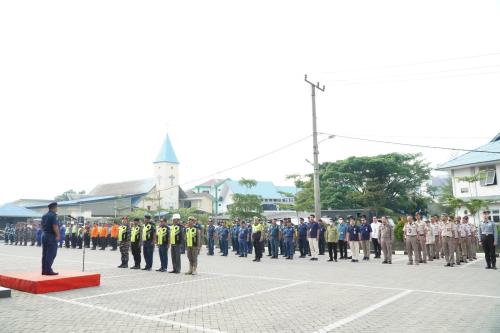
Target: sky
(87, 88)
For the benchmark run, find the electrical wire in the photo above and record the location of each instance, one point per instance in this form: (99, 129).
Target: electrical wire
(413, 145)
(410, 64)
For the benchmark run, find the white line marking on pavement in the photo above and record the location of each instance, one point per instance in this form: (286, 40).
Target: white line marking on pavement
(362, 313)
(136, 315)
(472, 262)
(152, 287)
(226, 300)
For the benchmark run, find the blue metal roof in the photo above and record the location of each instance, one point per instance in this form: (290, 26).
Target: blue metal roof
(166, 153)
(12, 210)
(91, 199)
(264, 189)
(475, 157)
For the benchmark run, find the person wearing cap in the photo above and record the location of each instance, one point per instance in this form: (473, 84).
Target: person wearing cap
(176, 236)
(435, 229)
(94, 234)
(473, 233)
(243, 236)
(257, 238)
(148, 242)
(457, 248)
(342, 238)
(6, 234)
(429, 240)
(123, 239)
(74, 234)
(275, 235)
(366, 238)
(447, 238)
(411, 236)
(332, 238)
(462, 233)
(50, 238)
(386, 237)
(193, 243)
(103, 234)
(312, 237)
(469, 242)
(488, 236)
(422, 247)
(163, 244)
(210, 237)
(224, 239)
(290, 239)
(236, 240)
(114, 236)
(79, 235)
(302, 232)
(321, 238)
(136, 243)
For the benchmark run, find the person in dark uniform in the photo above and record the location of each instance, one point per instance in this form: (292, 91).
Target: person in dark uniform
(290, 239)
(136, 243)
(321, 239)
(176, 236)
(163, 244)
(257, 237)
(148, 241)
(275, 238)
(50, 238)
(488, 239)
(224, 239)
(124, 241)
(243, 239)
(210, 238)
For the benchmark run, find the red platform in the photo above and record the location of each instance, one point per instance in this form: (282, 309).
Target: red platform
(36, 283)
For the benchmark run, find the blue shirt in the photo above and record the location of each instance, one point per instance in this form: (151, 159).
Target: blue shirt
(289, 231)
(224, 232)
(243, 232)
(48, 221)
(210, 231)
(62, 231)
(312, 227)
(353, 233)
(274, 230)
(488, 228)
(302, 229)
(322, 230)
(342, 231)
(365, 231)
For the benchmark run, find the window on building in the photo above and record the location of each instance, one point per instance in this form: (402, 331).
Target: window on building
(220, 205)
(149, 207)
(464, 190)
(206, 191)
(495, 215)
(489, 176)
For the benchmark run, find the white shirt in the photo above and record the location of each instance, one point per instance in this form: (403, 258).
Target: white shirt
(375, 226)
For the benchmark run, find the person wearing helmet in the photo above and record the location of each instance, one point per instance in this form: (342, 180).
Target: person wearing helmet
(176, 238)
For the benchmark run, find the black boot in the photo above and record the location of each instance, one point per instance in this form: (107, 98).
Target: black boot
(121, 266)
(125, 264)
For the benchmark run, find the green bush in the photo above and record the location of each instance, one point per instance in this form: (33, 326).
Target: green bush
(398, 231)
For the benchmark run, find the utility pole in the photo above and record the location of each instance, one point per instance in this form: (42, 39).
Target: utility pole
(317, 199)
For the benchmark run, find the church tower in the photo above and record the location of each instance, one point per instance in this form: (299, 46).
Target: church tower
(166, 175)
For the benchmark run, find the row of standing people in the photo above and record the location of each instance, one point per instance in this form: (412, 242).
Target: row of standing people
(22, 233)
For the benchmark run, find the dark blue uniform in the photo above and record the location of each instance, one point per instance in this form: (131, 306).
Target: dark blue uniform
(243, 233)
(289, 233)
(224, 234)
(210, 239)
(49, 243)
(321, 240)
(303, 245)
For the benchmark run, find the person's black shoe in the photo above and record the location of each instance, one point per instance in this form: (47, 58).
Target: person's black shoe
(159, 270)
(241, 256)
(290, 258)
(384, 262)
(148, 269)
(494, 267)
(335, 260)
(487, 267)
(447, 265)
(258, 260)
(309, 255)
(287, 258)
(121, 266)
(268, 255)
(312, 259)
(458, 263)
(390, 262)
(92, 249)
(451, 265)
(330, 259)
(53, 273)
(173, 271)
(125, 266)
(255, 259)
(144, 269)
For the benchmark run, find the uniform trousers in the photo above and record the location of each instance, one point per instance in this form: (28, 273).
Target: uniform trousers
(448, 248)
(73, 241)
(354, 249)
(210, 245)
(321, 244)
(102, 242)
(162, 249)
(236, 244)
(387, 249)
(176, 257)
(436, 247)
(303, 246)
(49, 252)
(463, 248)
(136, 253)
(376, 247)
(411, 246)
(114, 242)
(469, 247)
(79, 242)
(147, 249)
(124, 252)
(332, 247)
(192, 254)
(457, 248)
(430, 251)
(366, 248)
(94, 242)
(313, 246)
(243, 247)
(224, 246)
(290, 247)
(269, 246)
(249, 246)
(256, 247)
(66, 241)
(343, 248)
(422, 249)
(274, 246)
(86, 239)
(489, 249)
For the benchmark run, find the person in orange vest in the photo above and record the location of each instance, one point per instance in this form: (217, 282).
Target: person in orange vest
(114, 236)
(94, 234)
(102, 237)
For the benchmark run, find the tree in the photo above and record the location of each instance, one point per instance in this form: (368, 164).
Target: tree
(120, 209)
(298, 204)
(387, 183)
(82, 192)
(62, 196)
(246, 206)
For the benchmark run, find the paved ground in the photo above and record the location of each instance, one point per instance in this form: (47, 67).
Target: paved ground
(237, 295)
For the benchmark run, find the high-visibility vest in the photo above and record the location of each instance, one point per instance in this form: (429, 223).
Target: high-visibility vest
(175, 234)
(256, 228)
(74, 229)
(147, 230)
(192, 236)
(161, 232)
(135, 231)
(122, 233)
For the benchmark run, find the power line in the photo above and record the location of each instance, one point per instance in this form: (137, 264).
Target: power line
(411, 64)
(413, 145)
(424, 137)
(416, 79)
(382, 77)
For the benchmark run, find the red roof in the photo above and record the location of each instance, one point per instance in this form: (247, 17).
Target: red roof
(212, 182)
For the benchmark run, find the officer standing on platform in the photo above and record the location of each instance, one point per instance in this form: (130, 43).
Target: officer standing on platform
(275, 238)
(148, 241)
(210, 238)
(243, 236)
(163, 244)
(124, 241)
(136, 243)
(50, 238)
(488, 235)
(290, 239)
(176, 236)
(386, 237)
(302, 231)
(257, 237)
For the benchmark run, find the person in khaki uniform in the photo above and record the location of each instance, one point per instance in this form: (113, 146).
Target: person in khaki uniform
(447, 238)
(386, 238)
(458, 243)
(429, 240)
(412, 239)
(462, 233)
(422, 245)
(435, 228)
(472, 239)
